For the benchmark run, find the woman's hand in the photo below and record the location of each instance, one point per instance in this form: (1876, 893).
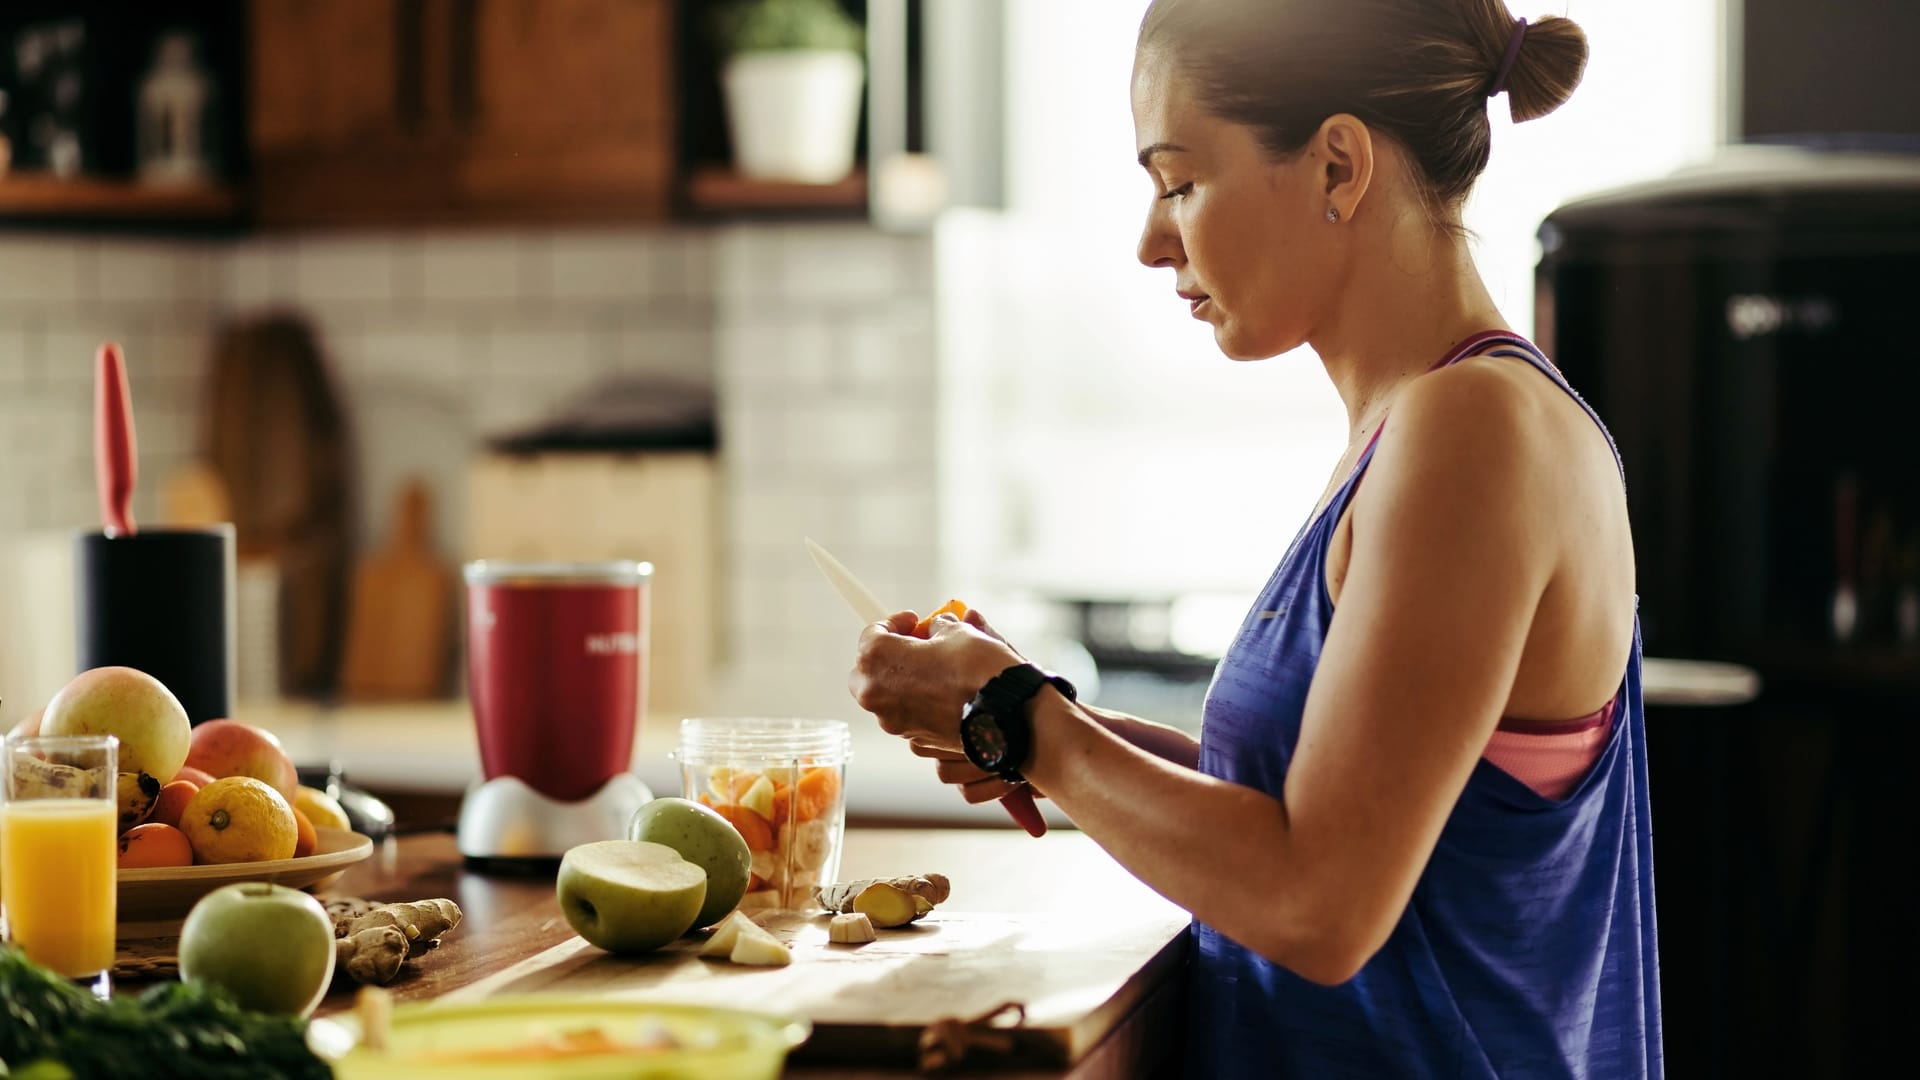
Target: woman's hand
(919, 687)
(976, 785)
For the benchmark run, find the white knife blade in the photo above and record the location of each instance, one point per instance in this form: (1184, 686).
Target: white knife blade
(1019, 801)
(857, 596)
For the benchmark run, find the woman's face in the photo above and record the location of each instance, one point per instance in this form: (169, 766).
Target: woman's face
(1247, 237)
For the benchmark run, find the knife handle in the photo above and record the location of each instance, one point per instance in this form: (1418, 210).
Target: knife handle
(113, 451)
(1020, 807)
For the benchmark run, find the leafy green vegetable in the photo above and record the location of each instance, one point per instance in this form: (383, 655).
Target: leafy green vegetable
(777, 25)
(183, 1030)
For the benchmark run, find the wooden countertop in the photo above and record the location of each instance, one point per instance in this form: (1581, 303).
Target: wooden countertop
(510, 918)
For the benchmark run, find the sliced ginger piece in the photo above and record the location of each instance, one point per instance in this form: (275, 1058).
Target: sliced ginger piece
(854, 928)
(889, 901)
(886, 904)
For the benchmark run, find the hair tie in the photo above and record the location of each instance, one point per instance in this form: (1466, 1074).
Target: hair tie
(1506, 62)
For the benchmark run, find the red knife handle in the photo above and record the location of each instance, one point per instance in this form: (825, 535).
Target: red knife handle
(1020, 807)
(113, 452)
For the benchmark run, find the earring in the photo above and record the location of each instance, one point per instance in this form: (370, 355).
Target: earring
(1333, 215)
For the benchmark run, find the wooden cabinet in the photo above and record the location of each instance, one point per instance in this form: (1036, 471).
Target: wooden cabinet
(399, 111)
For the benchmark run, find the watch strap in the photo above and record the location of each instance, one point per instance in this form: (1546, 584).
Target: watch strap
(1001, 706)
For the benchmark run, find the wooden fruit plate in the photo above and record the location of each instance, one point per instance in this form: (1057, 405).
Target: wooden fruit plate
(163, 895)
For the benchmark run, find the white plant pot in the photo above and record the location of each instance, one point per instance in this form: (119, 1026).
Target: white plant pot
(794, 115)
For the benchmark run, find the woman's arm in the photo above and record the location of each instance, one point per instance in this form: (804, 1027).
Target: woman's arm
(1160, 740)
(1449, 562)
(1452, 549)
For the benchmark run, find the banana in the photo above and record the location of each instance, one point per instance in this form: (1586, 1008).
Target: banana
(135, 793)
(36, 779)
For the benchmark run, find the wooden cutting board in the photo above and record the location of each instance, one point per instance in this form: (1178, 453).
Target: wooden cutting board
(400, 617)
(1077, 974)
(276, 436)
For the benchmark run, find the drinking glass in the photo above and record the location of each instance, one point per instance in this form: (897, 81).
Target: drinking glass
(59, 851)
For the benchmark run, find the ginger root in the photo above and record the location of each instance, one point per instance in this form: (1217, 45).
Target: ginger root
(421, 920)
(888, 902)
(371, 956)
(373, 940)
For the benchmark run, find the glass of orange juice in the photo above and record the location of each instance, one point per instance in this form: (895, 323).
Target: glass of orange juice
(58, 852)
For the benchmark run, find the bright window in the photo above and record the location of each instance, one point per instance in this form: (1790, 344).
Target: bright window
(1098, 443)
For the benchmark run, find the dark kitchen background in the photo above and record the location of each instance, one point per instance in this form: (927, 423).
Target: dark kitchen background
(406, 282)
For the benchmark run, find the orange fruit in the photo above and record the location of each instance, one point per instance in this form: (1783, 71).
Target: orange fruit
(173, 802)
(305, 839)
(751, 826)
(952, 607)
(153, 845)
(240, 819)
(321, 808)
(816, 793)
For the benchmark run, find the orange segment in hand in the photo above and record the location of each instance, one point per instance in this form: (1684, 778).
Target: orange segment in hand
(955, 608)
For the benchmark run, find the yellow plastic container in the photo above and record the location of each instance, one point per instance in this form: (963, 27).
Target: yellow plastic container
(433, 1042)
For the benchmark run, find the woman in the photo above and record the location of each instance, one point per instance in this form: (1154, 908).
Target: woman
(1413, 833)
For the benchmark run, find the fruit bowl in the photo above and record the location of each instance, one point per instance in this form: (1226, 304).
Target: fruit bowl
(167, 893)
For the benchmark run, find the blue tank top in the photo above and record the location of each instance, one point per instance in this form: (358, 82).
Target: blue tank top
(1527, 949)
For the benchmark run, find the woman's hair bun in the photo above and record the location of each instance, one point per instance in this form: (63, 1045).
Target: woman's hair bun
(1552, 57)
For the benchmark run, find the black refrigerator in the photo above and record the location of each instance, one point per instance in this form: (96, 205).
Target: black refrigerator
(1750, 332)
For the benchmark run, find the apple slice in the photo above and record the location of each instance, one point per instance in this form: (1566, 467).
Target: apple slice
(759, 798)
(756, 947)
(720, 945)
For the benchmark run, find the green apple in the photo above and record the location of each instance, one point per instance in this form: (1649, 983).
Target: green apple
(704, 838)
(628, 896)
(270, 946)
(131, 705)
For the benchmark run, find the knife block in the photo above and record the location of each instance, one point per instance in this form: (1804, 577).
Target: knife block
(161, 601)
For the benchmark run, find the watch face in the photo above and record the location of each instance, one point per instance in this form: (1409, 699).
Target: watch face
(985, 739)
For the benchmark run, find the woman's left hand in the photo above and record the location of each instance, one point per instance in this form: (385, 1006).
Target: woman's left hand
(919, 687)
(976, 785)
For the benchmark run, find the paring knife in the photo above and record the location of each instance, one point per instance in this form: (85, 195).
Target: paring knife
(1019, 802)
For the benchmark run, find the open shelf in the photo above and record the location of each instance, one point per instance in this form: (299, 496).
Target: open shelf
(720, 191)
(31, 197)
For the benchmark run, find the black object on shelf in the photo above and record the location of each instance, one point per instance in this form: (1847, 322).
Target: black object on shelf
(71, 79)
(624, 415)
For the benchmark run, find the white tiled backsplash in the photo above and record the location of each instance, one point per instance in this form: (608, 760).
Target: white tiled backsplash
(818, 339)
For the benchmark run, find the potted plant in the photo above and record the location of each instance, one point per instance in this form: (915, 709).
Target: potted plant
(792, 77)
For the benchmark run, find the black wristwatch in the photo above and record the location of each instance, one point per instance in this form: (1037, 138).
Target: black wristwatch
(995, 730)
